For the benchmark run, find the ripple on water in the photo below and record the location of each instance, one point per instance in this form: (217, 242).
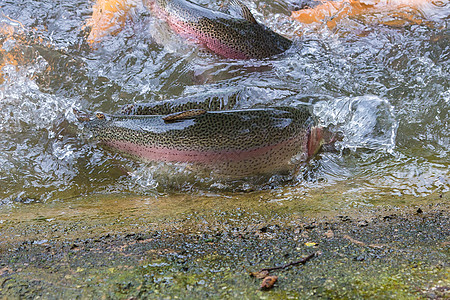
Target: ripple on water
(387, 89)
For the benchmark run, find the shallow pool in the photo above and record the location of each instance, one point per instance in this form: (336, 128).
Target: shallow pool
(386, 88)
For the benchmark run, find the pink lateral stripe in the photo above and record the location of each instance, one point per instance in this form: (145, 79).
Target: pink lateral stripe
(190, 156)
(185, 30)
(213, 44)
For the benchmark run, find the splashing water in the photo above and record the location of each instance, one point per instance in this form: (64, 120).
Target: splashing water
(365, 122)
(386, 89)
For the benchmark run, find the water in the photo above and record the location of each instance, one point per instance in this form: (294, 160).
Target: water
(385, 88)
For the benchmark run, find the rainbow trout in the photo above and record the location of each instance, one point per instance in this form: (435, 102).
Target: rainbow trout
(237, 37)
(233, 143)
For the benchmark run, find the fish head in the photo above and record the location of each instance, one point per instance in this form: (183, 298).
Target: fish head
(91, 120)
(322, 138)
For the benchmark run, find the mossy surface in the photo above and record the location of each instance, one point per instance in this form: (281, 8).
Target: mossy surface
(147, 248)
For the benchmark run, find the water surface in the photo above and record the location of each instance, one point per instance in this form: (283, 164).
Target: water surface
(385, 88)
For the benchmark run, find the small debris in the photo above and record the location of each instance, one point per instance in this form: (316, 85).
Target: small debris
(268, 282)
(445, 244)
(183, 115)
(260, 275)
(4, 271)
(377, 246)
(301, 261)
(359, 243)
(354, 241)
(311, 244)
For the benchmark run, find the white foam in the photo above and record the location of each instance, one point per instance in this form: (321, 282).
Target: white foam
(366, 121)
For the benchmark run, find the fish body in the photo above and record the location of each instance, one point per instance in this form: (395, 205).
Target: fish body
(238, 37)
(234, 143)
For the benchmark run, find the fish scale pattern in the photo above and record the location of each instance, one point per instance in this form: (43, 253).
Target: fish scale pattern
(222, 33)
(234, 143)
(239, 130)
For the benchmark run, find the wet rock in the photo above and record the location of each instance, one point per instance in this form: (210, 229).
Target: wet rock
(269, 228)
(363, 223)
(310, 226)
(389, 217)
(345, 218)
(359, 258)
(263, 229)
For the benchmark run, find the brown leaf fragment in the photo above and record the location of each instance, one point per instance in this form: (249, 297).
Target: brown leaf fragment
(359, 243)
(183, 115)
(354, 241)
(268, 282)
(260, 275)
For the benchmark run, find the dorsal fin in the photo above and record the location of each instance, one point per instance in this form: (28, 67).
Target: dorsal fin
(238, 9)
(183, 115)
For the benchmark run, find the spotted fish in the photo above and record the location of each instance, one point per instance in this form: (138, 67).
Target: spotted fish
(236, 36)
(234, 143)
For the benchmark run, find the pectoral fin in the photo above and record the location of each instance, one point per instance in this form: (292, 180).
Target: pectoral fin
(238, 9)
(183, 115)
